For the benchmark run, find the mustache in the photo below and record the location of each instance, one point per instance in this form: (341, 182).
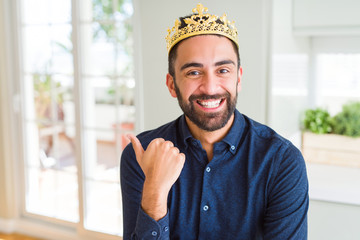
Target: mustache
(195, 97)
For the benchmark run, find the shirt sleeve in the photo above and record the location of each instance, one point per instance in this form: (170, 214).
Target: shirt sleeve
(136, 223)
(288, 199)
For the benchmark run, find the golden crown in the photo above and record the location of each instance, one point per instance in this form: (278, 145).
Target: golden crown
(200, 24)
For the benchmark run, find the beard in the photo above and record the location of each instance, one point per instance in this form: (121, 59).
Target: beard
(207, 121)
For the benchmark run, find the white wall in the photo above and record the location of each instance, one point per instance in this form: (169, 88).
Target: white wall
(156, 16)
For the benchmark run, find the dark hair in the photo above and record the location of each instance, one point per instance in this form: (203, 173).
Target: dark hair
(173, 52)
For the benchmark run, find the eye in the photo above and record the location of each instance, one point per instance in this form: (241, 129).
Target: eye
(193, 73)
(224, 70)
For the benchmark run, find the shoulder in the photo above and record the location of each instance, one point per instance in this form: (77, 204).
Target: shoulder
(265, 135)
(285, 160)
(280, 151)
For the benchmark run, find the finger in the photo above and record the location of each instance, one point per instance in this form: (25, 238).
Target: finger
(139, 150)
(182, 157)
(169, 144)
(156, 142)
(176, 150)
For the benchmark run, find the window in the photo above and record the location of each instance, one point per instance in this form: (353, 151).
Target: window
(338, 77)
(77, 77)
(327, 76)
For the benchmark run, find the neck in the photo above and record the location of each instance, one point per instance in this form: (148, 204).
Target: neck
(208, 139)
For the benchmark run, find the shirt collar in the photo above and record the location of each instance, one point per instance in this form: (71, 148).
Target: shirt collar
(236, 132)
(185, 131)
(232, 139)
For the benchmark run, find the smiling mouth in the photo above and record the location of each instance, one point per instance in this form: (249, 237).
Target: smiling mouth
(210, 104)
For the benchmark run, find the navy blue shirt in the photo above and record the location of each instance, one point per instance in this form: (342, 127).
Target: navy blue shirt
(255, 187)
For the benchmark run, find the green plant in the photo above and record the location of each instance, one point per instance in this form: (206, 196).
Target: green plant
(347, 122)
(317, 121)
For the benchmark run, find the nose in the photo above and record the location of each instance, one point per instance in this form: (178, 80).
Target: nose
(209, 84)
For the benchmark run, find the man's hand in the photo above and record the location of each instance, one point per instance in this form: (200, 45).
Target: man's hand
(162, 164)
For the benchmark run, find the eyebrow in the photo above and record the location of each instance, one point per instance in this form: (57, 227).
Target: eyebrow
(191, 64)
(225, 62)
(199, 65)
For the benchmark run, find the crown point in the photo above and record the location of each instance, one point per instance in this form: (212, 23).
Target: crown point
(177, 24)
(200, 9)
(223, 18)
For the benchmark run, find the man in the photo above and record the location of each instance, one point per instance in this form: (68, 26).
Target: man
(213, 173)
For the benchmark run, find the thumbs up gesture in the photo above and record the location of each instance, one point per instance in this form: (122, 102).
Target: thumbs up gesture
(161, 163)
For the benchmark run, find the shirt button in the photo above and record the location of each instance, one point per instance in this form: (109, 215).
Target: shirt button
(154, 233)
(205, 208)
(208, 169)
(232, 147)
(166, 229)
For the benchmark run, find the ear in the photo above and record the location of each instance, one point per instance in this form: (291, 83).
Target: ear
(239, 79)
(171, 85)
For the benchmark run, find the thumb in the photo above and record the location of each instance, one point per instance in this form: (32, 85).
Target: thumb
(139, 150)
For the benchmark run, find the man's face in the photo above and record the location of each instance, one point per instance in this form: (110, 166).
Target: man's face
(207, 80)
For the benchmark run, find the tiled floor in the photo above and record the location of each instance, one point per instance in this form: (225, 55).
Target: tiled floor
(16, 237)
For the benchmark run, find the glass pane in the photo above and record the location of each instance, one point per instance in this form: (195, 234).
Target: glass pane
(106, 9)
(35, 11)
(37, 49)
(62, 60)
(51, 171)
(99, 108)
(52, 193)
(99, 51)
(64, 96)
(103, 207)
(102, 155)
(50, 98)
(32, 145)
(46, 11)
(59, 11)
(120, 133)
(103, 9)
(57, 147)
(51, 146)
(123, 9)
(125, 91)
(124, 61)
(45, 108)
(339, 73)
(339, 80)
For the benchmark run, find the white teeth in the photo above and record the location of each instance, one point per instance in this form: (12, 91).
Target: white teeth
(210, 104)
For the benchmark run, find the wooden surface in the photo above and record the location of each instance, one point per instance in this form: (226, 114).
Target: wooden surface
(331, 149)
(16, 236)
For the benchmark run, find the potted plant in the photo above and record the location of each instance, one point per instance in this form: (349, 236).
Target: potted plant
(332, 140)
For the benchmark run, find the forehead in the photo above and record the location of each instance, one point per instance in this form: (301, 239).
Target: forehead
(205, 49)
